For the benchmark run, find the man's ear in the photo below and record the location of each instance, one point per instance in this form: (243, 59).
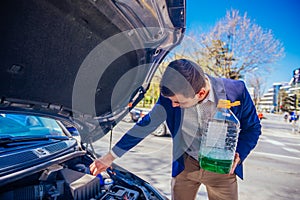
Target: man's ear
(201, 93)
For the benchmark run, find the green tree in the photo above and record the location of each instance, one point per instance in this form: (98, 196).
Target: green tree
(286, 101)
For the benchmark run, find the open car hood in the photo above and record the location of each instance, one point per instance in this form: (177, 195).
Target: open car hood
(83, 61)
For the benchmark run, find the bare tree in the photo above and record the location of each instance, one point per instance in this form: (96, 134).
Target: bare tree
(256, 82)
(236, 46)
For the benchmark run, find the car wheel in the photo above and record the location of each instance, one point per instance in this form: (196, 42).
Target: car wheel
(135, 119)
(160, 131)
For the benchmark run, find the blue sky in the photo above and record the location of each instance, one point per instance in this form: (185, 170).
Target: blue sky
(281, 16)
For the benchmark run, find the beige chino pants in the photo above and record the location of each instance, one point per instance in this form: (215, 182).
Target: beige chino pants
(219, 186)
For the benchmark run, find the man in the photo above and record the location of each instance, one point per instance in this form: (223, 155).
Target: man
(188, 100)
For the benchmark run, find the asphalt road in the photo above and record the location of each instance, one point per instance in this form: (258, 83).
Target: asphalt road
(270, 172)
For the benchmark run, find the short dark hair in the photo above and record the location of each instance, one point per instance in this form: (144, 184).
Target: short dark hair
(182, 76)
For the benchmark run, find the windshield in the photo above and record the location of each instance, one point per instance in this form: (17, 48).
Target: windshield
(17, 125)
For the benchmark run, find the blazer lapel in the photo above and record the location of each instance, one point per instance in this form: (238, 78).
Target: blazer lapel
(218, 88)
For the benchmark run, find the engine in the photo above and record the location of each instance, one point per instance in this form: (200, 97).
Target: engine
(73, 181)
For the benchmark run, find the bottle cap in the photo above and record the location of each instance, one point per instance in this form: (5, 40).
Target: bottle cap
(227, 104)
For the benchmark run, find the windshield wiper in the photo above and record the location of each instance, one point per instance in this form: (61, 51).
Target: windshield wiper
(6, 139)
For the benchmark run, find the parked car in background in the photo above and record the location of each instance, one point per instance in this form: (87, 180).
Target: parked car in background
(138, 113)
(68, 71)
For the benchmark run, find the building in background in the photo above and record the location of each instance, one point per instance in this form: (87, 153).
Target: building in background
(266, 102)
(281, 94)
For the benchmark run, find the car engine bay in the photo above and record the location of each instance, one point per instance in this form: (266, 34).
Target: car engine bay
(72, 180)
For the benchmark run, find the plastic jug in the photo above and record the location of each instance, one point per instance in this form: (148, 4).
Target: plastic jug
(219, 140)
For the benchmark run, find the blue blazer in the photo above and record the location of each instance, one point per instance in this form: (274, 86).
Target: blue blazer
(233, 90)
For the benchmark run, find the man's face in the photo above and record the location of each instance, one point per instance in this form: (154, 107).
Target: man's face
(178, 100)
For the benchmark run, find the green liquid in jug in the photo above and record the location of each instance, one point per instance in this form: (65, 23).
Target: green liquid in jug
(215, 165)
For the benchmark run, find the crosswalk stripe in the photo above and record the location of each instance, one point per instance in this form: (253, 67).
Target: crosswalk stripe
(291, 150)
(275, 155)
